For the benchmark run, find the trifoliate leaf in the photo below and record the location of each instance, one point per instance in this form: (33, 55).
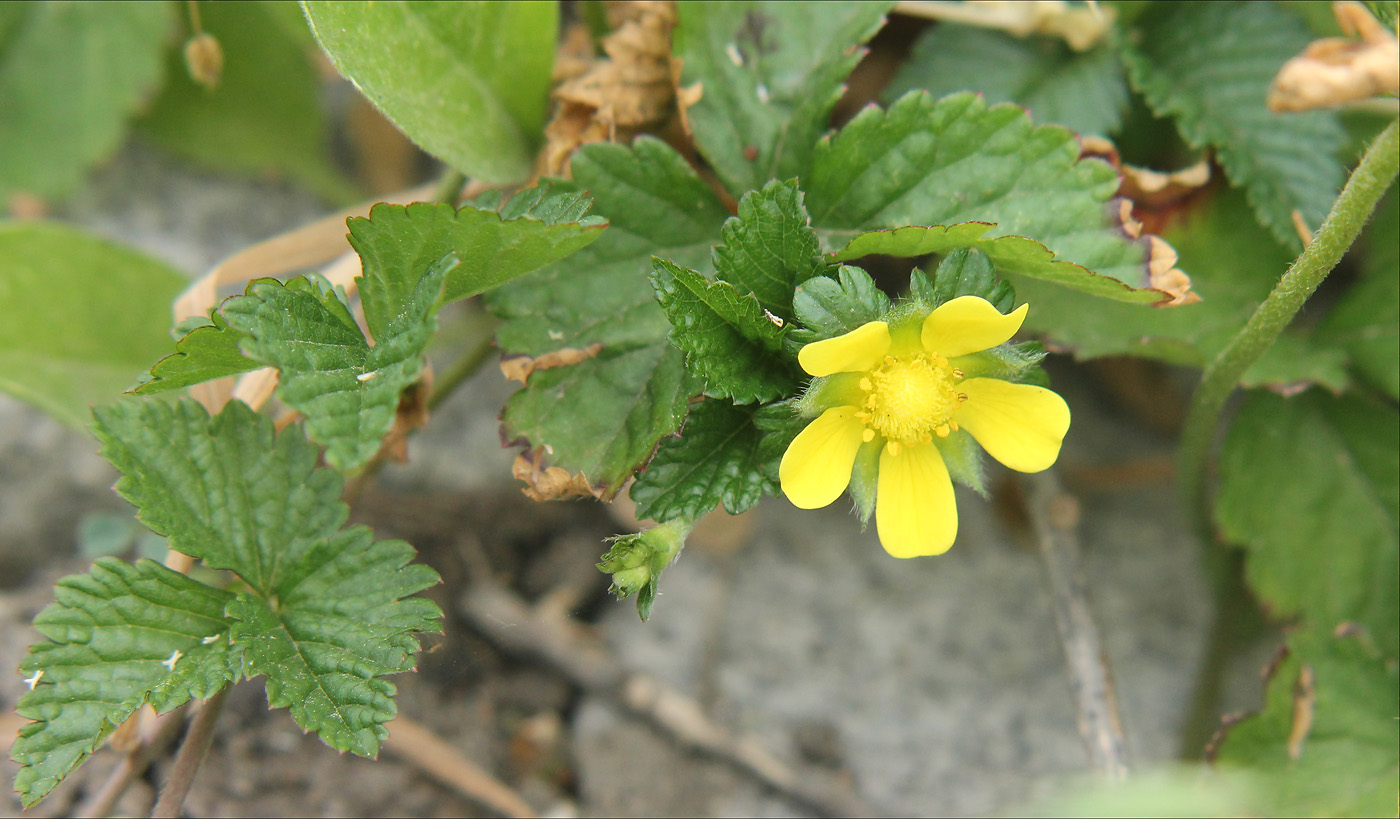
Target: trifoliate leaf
(769, 248)
(116, 638)
(603, 416)
(397, 242)
(1325, 742)
(70, 76)
(1012, 256)
(205, 353)
(727, 339)
(955, 160)
(770, 74)
(1366, 321)
(1310, 487)
(83, 317)
(1209, 65)
(827, 307)
(1083, 91)
(492, 61)
(1234, 265)
(324, 616)
(348, 390)
(718, 458)
(268, 77)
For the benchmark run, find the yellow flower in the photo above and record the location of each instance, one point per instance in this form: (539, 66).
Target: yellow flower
(903, 388)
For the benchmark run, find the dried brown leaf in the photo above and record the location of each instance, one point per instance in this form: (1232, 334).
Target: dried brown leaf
(1337, 70)
(518, 368)
(549, 483)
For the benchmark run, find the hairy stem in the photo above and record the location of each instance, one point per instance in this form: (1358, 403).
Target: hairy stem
(191, 754)
(1338, 231)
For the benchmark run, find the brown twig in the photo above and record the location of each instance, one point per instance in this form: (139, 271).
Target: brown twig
(1055, 516)
(192, 752)
(518, 628)
(440, 760)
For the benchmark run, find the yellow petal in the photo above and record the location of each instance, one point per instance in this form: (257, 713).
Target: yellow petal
(1018, 424)
(817, 465)
(969, 324)
(914, 508)
(861, 349)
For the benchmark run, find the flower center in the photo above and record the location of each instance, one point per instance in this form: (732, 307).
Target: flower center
(908, 400)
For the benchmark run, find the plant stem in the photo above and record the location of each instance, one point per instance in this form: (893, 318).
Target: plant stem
(1338, 231)
(192, 752)
(471, 361)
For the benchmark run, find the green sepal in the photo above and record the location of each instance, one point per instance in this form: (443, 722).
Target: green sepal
(964, 272)
(827, 307)
(769, 248)
(963, 457)
(1008, 362)
(636, 561)
(727, 338)
(865, 479)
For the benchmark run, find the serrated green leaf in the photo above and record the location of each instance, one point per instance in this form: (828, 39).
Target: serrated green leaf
(1083, 91)
(267, 78)
(397, 241)
(70, 76)
(469, 82)
(727, 339)
(1310, 486)
(770, 74)
(1012, 255)
(116, 638)
(770, 247)
(828, 307)
(325, 616)
(963, 272)
(80, 317)
(1347, 763)
(956, 160)
(1210, 65)
(603, 416)
(716, 459)
(205, 353)
(1234, 265)
(348, 390)
(1366, 321)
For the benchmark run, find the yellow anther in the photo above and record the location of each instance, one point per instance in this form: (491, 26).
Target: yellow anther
(868, 435)
(865, 385)
(957, 373)
(962, 396)
(893, 447)
(942, 431)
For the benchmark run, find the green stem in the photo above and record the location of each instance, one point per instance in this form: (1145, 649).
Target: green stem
(466, 366)
(1338, 231)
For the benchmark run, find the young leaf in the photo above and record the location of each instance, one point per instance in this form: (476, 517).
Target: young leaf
(718, 458)
(1310, 486)
(348, 390)
(70, 75)
(1210, 66)
(268, 77)
(117, 637)
(955, 160)
(1345, 760)
(1012, 255)
(1083, 91)
(205, 353)
(325, 616)
(70, 337)
(726, 338)
(770, 247)
(603, 416)
(491, 60)
(770, 74)
(493, 247)
(1234, 263)
(828, 307)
